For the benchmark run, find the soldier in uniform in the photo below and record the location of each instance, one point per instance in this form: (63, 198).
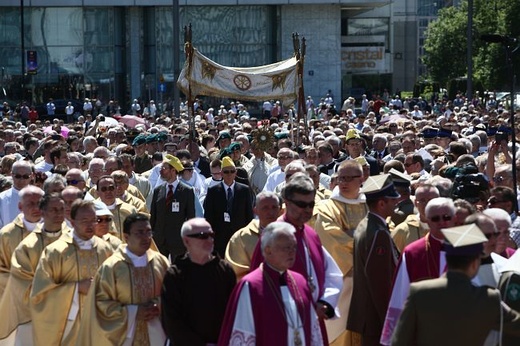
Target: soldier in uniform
(468, 312)
(375, 260)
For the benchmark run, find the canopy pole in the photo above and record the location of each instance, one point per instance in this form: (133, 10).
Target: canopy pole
(188, 49)
(299, 53)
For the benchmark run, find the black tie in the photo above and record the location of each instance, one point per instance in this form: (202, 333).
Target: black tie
(229, 200)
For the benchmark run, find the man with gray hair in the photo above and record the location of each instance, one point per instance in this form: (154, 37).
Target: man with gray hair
(192, 314)
(273, 305)
(313, 261)
(241, 246)
(13, 233)
(22, 173)
(284, 156)
(423, 259)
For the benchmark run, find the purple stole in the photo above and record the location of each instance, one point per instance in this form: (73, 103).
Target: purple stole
(271, 323)
(508, 252)
(423, 258)
(312, 240)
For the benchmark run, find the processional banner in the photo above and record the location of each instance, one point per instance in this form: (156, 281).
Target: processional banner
(278, 81)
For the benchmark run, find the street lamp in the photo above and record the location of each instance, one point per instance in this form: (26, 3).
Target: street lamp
(510, 45)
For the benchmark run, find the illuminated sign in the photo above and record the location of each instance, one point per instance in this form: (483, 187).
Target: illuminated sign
(363, 59)
(32, 62)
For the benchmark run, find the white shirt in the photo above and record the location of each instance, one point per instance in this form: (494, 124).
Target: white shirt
(274, 179)
(9, 206)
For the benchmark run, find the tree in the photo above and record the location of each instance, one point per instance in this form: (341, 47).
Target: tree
(445, 45)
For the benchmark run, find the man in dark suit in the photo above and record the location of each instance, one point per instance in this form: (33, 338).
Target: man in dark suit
(228, 206)
(379, 149)
(356, 147)
(451, 310)
(172, 204)
(327, 162)
(375, 260)
(201, 163)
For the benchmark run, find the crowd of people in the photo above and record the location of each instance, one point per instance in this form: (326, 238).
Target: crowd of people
(392, 223)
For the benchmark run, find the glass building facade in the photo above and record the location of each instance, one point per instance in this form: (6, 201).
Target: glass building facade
(123, 52)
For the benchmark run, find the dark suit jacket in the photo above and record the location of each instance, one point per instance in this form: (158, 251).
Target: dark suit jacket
(204, 167)
(375, 260)
(166, 225)
(215, 206)
(449, 311)
(374, 165)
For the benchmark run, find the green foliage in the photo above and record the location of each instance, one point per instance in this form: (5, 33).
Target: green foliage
(425, 88)
(446, 43)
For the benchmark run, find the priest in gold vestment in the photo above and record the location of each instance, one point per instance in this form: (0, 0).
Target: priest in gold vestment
(336, 219)
(13, 233)
(242, 244)
(63, 278)
(16, 323)
(120, 210)
(123, 306)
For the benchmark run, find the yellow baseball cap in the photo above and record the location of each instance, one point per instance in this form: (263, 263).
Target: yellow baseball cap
(352, 134)
(174, 162)
(227, 162)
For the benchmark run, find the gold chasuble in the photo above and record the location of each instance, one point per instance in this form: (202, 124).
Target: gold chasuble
(111, 314)
(240, 248)
(336, 220)
(56, 304)
(11, 235)
(14, 305)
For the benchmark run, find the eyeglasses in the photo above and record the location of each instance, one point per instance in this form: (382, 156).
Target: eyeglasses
(302, 204)
(22, 176)
(438, 218)
(104, 219)
(201, 235)
(217, 173)
(492, 235)
(283, 157)
(408, 164)
(142, 234)
(347, 178)
(230, 171)
(107, 188)
(392, 126)
(74, 182)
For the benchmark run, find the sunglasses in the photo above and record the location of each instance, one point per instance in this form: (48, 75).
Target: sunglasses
(107, 188)
(102, 219)
(229, 172)
(22, 176)
(438, 218)
(302, 204)
(201, 235)
(74, 182)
